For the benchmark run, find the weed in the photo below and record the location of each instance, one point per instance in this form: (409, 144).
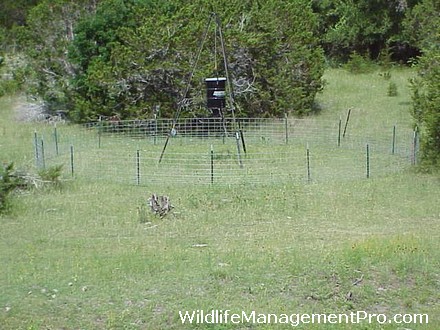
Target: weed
(51, 175)
(392, 89)
(385, 75)
(8, 183)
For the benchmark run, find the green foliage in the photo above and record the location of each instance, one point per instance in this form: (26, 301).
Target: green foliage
(8, 183)
(386, 75)
(132, 55)
(367, 27)
(52, 175)
(14, 12)
(358, 64)
(10, 180)
(45, 40)
(426, 106)
(95, 33)
(422, 24)
(122, 61)
(392, 89)
(385, 59)
(8, 87)
(13, 72)
(123, 57)
(422, 28)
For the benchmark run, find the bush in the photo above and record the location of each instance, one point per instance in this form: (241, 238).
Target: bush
(9, 181)
(426, 107)
(392, 89)
(9, 87)
(359, 64)
(13, 75)
(386, 75)
(51, 175)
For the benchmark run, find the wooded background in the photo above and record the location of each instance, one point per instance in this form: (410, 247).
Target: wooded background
(94, 58)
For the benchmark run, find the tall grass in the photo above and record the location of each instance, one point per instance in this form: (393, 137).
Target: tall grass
(78, 257)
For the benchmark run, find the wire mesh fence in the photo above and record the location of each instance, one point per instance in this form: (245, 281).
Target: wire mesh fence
(215, 151)
(261, 131)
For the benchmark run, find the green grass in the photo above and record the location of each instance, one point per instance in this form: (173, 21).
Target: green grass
(79, 257)
(367, 95)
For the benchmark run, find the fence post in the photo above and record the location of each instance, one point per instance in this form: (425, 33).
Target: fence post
(415, 146)
(309, 178)
(212, 165)
(43, 161)
(393, 148)
(155, 129)
(346, 122)
(55, 134)
(71, 161)
(36, 149)
(242, 140)
(368, 161)
(237, 139)
(138, 169)
(339, 131)
(286, 127)
(99, 134)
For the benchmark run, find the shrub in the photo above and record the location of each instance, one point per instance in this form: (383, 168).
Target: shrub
(9, 181)
(51, 175)
(426, 107)
(358, 64)
(392, 89)
(386, 75)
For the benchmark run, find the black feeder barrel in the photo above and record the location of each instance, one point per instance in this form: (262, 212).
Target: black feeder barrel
(215, 94)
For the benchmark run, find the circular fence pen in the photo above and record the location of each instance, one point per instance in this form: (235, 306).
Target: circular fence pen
(268, 158)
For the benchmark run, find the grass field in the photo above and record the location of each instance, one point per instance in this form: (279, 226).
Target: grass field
(86, 256)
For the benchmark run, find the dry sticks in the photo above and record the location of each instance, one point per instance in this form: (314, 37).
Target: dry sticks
(160, 205)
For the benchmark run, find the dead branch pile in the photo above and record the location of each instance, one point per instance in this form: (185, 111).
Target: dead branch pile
(160, 205)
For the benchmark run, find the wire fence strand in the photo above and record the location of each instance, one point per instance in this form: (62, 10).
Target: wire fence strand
(203, 151)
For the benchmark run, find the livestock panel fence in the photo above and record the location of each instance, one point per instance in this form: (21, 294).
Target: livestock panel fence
(216, 151)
